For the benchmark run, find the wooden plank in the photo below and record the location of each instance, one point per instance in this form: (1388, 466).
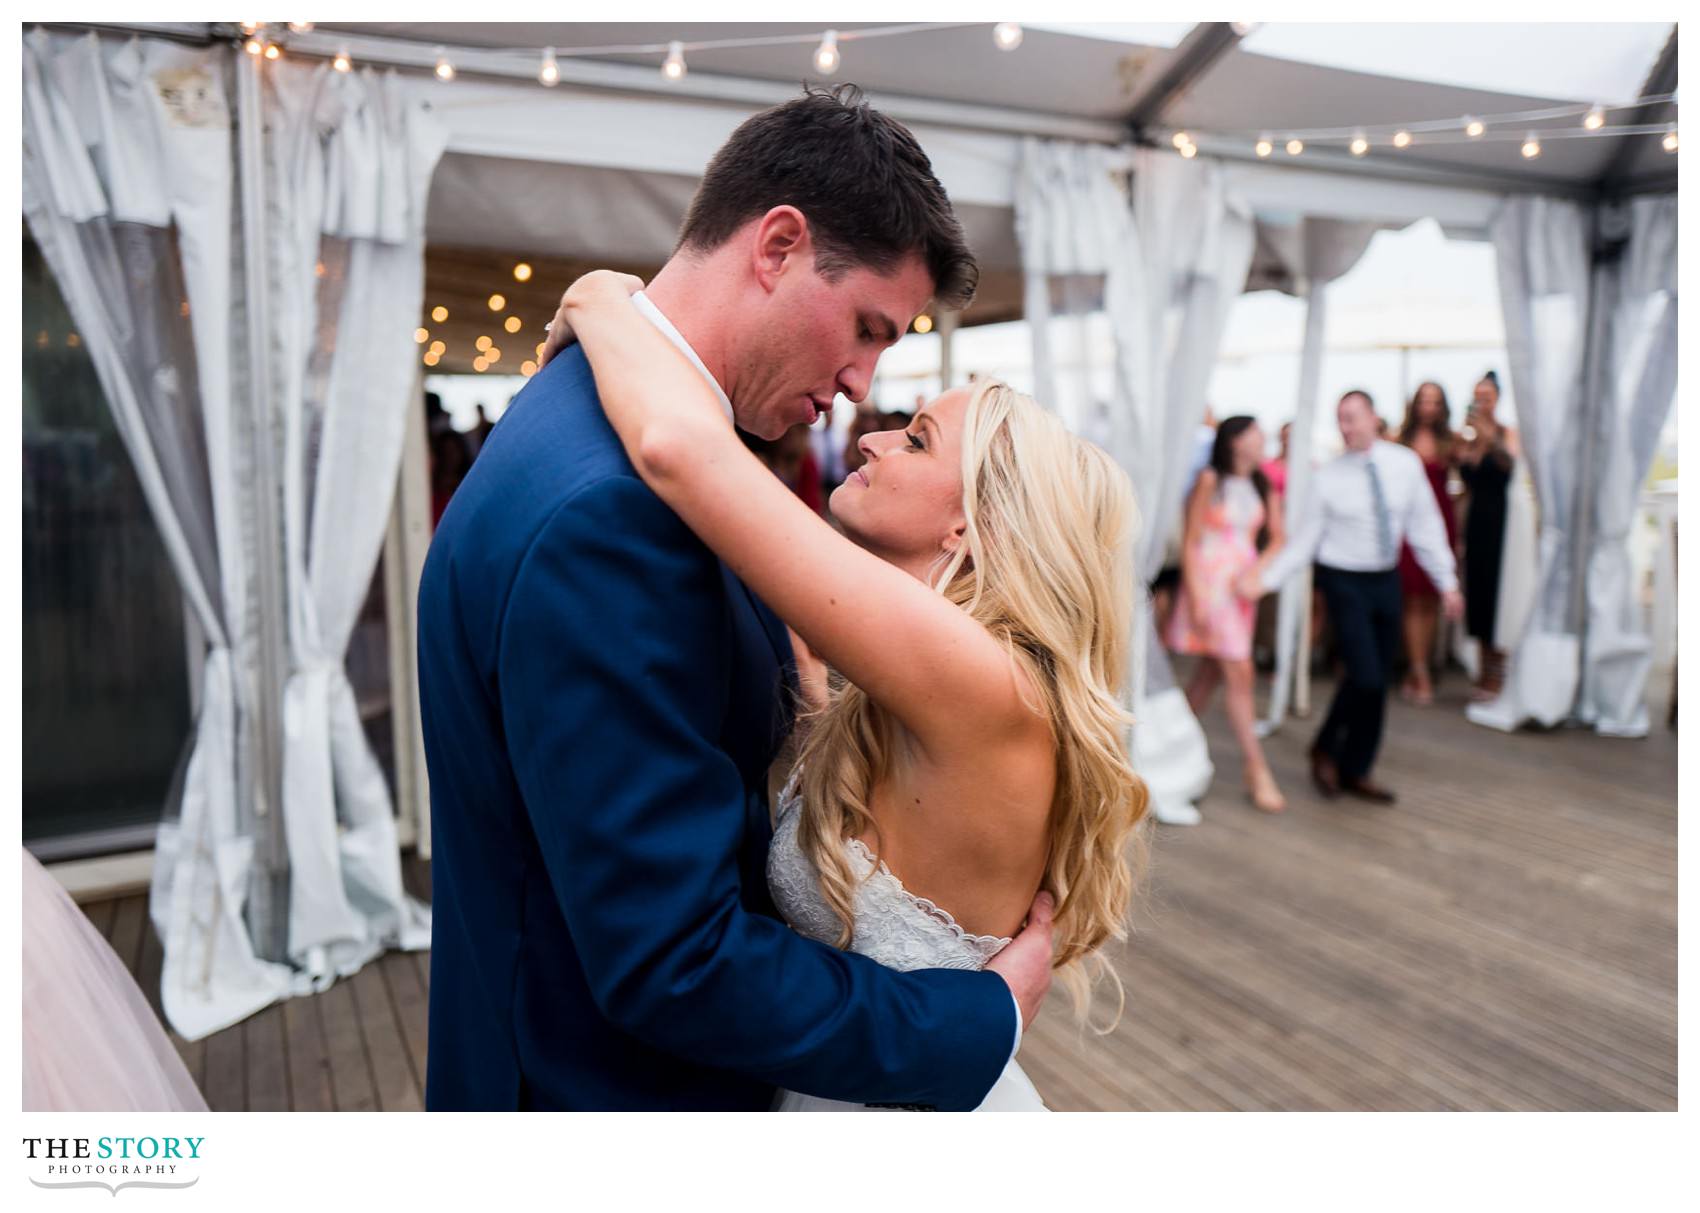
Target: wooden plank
(392, 1068)
(265, 1049)
(407, 995)
(352, 1085)
(309, 1063)
(225, 1084)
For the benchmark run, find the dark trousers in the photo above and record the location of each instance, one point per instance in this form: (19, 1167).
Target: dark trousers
(1365, 609)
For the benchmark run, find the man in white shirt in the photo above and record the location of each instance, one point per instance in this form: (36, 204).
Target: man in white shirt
(1361, 507)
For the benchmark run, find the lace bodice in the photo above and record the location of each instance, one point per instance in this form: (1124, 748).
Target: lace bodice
(892, 925)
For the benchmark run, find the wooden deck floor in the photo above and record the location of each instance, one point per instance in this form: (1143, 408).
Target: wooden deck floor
(1504, 938)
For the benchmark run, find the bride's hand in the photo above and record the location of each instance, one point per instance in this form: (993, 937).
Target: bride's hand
(589, 287)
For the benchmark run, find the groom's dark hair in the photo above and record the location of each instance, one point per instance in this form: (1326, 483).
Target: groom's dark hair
(861, 180)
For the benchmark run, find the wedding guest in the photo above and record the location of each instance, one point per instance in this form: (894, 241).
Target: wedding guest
(451, 458)
(1427, 430)
(1485, 463)
(1362, 504)
(1275, 469)
(1233, 529)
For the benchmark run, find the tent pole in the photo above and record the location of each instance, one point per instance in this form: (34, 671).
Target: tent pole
(268, 916)
(948, 321)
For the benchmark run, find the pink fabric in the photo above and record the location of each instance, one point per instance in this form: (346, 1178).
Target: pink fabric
(1226, 547)
(91, 1041)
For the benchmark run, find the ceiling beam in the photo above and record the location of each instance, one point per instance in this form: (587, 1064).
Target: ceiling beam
(1618, 177)
(1203, 47)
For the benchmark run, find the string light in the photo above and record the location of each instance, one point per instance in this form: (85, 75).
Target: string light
(1473, 127)
(444, 69)
(1360, 145)
(528, 368)
(432, 357)
(923, 323)
(522, 272)
(253, 46)
(1244, 28)
(1295, 146)
(1596, 118)
(480, 365)
(549, 74)
(482, 344)
(1531, 146)
(511, 324)
(1265, 146)
(492, 355)
(437, 348)
(252, 27)
(498, 302)
(1669, 141)
(272, 50)
(826, 54)
(421, 336)
(1180, 139)
(1402, 139)
(439, 313)
(300, 27)
(342, 62)
(674, 66)
(1189, 151)
(1007, 35)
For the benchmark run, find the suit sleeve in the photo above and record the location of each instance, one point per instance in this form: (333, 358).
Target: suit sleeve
(613, 681)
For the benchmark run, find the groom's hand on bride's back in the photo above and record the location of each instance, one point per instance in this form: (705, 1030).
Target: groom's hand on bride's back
(1026, 963)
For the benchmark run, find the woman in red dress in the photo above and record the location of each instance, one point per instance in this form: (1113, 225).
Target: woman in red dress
(1427, 430)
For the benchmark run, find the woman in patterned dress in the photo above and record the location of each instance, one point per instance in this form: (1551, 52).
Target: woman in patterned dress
(1233, 524)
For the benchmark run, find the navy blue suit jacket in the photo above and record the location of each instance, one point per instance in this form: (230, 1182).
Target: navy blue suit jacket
(601, 703)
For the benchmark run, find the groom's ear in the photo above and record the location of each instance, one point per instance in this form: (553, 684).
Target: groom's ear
(781, 242)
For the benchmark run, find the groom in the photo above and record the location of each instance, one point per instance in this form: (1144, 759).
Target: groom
(602, 698)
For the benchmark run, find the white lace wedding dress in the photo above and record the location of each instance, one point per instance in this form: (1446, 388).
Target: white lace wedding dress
(892, 926)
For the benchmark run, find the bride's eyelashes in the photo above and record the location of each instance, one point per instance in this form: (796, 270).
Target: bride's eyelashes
(915, 442)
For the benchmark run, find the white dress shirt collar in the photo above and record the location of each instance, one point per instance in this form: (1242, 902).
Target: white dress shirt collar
(644, 305)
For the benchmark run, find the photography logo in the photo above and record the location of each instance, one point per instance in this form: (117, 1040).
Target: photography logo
(113, 1163)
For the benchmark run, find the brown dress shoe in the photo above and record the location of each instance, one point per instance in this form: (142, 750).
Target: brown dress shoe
(1363, 789)
(1325, 774)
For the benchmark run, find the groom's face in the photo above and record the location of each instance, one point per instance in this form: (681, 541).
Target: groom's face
(819, 338)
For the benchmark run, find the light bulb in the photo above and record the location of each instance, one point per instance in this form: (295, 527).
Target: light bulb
(480, 365)
(252, 27)
(1180, 139)
(482, 344)
(445, 70)
(498, 302)
(1473, 127)
(432, 359)
(528, 368)
(1007, 35)
(522, 272)
(548, 73)
(826, 54)
(342, 62)
(923, 323)
(252, 46)
(1244, 28)
(1669, 141)
(493, 355)
(1531, 146)
(437, 348)
(421, 336)
(1295, 146)
(674, 67)
(1189, 150)
(439, 313)
(1402, 139)
(1264, 147)
(1596, 118)
(511, 324)
(1359, 145)
(301, 27)
(272, 50)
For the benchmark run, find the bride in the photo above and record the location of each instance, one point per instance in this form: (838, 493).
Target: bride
(966, 748)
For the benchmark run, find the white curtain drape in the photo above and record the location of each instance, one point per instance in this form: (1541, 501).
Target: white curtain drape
(127, 188)
(1638, 389)
(1314, 252)
(129, 176)
(1543, 251)
(1152, 276)
(349, 161)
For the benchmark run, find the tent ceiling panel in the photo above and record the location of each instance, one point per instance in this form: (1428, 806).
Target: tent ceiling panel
(1053, 72)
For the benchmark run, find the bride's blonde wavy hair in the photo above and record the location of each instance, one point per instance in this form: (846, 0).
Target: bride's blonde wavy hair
(1045, 564)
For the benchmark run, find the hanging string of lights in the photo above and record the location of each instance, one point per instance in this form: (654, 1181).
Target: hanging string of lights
(261, 38)
(1468, 128)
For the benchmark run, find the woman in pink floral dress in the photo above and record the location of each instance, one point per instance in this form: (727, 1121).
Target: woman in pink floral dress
(1233, 524)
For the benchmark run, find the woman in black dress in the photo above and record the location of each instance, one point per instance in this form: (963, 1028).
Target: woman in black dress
(1485, 462)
